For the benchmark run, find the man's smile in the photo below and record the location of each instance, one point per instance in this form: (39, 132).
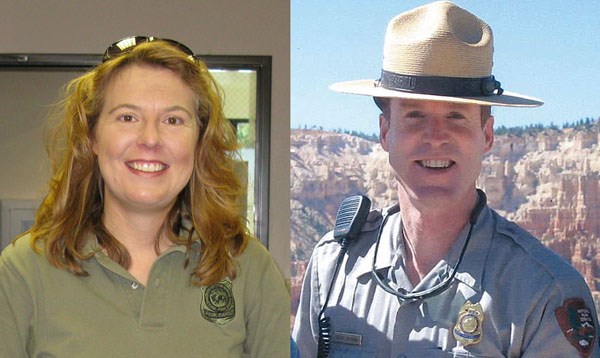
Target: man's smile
(436, 163)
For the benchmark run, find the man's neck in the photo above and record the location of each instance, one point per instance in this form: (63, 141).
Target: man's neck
(429, 234)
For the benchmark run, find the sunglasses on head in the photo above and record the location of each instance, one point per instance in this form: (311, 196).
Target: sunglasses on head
(125, 45)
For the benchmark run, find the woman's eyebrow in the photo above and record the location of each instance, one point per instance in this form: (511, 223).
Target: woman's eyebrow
(124, 105)
(138, 108)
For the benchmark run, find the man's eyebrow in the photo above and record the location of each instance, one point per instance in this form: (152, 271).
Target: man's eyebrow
(410, 104)
(459, 105)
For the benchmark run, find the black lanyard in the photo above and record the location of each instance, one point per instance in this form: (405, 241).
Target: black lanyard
(440, 287)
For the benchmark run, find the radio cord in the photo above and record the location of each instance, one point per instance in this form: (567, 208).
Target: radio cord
(325, 322)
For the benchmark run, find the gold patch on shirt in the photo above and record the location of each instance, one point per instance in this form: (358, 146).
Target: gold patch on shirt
(218, 305)
(469, 326)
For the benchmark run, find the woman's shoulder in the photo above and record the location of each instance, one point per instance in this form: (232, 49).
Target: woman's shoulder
(20, 252)
(22, 244)
(254, 250)
(255, 257)
(256, 264)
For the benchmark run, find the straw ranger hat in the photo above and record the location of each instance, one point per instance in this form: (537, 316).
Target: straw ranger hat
(438, 52)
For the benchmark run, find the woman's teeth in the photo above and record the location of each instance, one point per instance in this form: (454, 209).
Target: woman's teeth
(147, 167)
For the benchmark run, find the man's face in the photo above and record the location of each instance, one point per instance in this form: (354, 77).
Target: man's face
(435, 148)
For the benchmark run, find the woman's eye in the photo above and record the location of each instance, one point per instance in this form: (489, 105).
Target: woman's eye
(126, 118)
(174, 120)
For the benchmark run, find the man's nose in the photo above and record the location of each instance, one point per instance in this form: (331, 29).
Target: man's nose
(436, 131)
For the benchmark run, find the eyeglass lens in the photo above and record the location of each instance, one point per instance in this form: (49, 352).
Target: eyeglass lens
(128, 43)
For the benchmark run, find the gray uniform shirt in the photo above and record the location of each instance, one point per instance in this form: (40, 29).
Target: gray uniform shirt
(518, 287)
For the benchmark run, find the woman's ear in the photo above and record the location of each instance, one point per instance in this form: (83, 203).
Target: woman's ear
(93, 142)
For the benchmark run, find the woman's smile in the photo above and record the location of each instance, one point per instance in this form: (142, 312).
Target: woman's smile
(147, 166)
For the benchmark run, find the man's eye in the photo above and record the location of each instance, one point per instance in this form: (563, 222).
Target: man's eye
(415, 114)
(455, 115)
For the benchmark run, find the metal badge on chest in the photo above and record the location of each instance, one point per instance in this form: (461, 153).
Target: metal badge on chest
(469, 326)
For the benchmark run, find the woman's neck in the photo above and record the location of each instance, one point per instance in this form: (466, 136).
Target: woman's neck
(142, 233)
(143, 236)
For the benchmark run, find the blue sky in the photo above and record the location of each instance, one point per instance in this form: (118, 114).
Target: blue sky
(546, 49)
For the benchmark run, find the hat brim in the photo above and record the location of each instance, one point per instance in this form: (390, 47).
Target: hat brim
(368, 88)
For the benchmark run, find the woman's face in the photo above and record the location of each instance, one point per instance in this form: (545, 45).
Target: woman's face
(145, 139)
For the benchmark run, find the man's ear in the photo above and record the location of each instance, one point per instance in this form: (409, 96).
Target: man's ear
(488, 132)
(384, 127)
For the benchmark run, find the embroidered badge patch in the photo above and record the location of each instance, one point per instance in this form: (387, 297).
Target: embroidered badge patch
(576, 321)
(218, 305)
(469, 326)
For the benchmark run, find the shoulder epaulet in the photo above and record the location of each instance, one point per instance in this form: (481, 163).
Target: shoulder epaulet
(373, 220)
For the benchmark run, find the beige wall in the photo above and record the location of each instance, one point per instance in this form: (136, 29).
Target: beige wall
(212, 27)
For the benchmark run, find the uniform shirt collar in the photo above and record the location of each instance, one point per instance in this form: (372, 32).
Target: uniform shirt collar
(470, 271)
(389, 244)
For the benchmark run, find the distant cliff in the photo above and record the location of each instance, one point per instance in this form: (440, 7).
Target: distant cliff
(547, 181)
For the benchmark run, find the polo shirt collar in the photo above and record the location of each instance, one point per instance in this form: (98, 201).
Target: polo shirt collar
(92, 247)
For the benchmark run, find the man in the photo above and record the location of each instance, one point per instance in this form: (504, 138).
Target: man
(441, 274)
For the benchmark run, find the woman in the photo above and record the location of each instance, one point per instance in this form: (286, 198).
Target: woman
(138, 249)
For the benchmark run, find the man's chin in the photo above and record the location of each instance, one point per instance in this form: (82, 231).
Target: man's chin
(435, 194)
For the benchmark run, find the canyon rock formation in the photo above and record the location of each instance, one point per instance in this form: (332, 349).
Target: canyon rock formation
(546, 180)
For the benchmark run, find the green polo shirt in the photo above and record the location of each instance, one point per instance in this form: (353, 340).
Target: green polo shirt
(49, 312)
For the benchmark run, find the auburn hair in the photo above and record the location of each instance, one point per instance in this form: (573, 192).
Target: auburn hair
(208, 209)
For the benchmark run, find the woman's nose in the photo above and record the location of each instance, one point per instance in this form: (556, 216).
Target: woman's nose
(150, 134)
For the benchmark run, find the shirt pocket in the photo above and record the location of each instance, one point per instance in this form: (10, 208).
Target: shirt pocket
(455, 353)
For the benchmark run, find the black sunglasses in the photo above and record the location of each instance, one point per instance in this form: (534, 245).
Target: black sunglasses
(126, 44)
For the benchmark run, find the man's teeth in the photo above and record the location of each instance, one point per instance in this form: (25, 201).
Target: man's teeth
(147, 167)
(436, 163)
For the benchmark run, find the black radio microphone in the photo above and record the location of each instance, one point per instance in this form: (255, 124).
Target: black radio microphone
(351, 216)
